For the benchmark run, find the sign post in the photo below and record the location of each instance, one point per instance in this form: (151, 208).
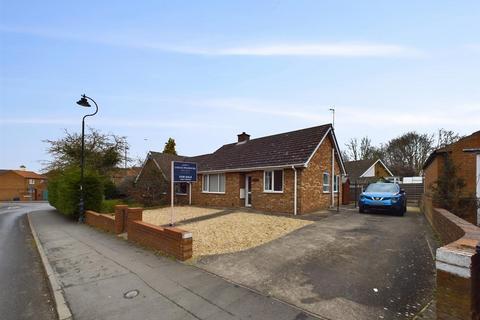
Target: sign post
(181, 172)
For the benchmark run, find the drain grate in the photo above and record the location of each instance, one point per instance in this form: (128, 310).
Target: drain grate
(131, 294)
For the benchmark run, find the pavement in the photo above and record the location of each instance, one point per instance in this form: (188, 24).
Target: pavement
(103, 276)
(24, 290)
(345, 266)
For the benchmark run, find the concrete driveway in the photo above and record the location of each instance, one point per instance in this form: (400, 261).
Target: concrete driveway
(346, 266)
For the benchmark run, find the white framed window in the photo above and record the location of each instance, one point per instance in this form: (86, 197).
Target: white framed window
(273, 181)
(336, 184)
(213, 183)
(326, 182)
(31, 181)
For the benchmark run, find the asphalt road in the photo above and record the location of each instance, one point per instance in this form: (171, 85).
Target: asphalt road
(348, 266)
(24, 292)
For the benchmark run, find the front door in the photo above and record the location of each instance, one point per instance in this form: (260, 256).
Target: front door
(248, 191)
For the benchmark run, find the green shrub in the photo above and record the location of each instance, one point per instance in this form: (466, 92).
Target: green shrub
(64, 191)
(110, 189)
(108, 206)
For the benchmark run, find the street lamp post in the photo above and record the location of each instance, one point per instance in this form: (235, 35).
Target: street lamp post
(84, 103)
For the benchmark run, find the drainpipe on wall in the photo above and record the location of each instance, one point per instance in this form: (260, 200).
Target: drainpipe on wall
(294, 191)
(333, 177)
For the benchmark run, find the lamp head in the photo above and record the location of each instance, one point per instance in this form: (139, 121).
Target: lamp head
(83, 102)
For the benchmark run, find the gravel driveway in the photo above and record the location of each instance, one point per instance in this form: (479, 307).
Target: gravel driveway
(346, 266)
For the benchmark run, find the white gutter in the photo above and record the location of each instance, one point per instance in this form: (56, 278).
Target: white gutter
(294, 190)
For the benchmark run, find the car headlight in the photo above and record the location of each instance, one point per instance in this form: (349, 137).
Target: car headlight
(395, 199)
(362, 197)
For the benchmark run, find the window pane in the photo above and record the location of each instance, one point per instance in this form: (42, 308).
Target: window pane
(268, 180)
(222, 182)
(326, 182)
(205, 182)
(213, 183)
(278, 180)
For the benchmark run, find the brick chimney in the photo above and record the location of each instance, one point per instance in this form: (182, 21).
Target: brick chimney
(243, 137)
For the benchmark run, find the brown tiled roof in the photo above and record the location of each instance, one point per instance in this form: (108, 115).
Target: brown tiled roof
(24, 174)
(284, 149)
(164, 161)
(356, 168)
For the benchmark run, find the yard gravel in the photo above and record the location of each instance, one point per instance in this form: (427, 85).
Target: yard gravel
(238, 231)
(161, 216)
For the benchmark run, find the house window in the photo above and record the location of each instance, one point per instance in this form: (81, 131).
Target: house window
(214, 183)
(181, 188)
(273, 181)
(326, 182)
(31, 181)
(336, 183)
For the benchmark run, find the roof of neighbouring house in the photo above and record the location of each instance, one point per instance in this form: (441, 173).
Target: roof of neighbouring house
(24, 174)
(355, 169)
(279, 150)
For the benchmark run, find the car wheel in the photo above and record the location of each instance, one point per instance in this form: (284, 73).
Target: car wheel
(400, 212)
(361, 210)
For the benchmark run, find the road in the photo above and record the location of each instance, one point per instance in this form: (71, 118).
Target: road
(24, 292)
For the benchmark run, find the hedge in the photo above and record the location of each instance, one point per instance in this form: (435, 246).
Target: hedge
(64, 191)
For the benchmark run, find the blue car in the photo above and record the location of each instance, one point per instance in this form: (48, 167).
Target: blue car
(383, 196)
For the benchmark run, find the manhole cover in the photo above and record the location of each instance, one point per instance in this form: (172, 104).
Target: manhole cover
(130, 294)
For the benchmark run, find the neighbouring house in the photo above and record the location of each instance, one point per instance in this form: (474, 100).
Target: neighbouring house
(22, 185)
(294, 172)
(362, 172)
(465, 156)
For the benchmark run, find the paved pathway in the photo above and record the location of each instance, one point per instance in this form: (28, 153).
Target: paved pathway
(96, 269)
(24, 292)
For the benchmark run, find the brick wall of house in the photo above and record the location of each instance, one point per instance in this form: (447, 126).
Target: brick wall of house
(13, 186)
(310, 188)
(231, 197)
(431, 174)
(463, 161)
(273, 202)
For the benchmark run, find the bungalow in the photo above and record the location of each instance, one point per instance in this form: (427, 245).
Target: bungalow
(22, 185)
(295, 172)
(465, 155)
(361, 173)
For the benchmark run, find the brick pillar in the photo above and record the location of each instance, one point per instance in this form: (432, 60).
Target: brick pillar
(455, 288)
(134, 214)
(476, 283)
(120, 218)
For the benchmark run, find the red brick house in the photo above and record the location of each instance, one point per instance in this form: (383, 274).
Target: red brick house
(22, 185)
(465, 155)
(294, 172)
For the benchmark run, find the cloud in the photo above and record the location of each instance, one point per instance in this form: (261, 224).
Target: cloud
(314, 49)
(132, 123)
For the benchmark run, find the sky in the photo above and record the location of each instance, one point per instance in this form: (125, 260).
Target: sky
(203, 71)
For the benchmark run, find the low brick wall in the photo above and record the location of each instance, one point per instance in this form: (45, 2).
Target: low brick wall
(172, 241)
(457, 263)
(102, 221)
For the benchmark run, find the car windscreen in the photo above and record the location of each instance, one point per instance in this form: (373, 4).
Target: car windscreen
(382, 187)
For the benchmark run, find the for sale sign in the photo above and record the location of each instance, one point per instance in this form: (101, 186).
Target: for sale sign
(184, 171)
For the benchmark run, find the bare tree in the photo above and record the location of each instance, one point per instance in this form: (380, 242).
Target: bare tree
(352, 151)
(407, 153)
(446, 137)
